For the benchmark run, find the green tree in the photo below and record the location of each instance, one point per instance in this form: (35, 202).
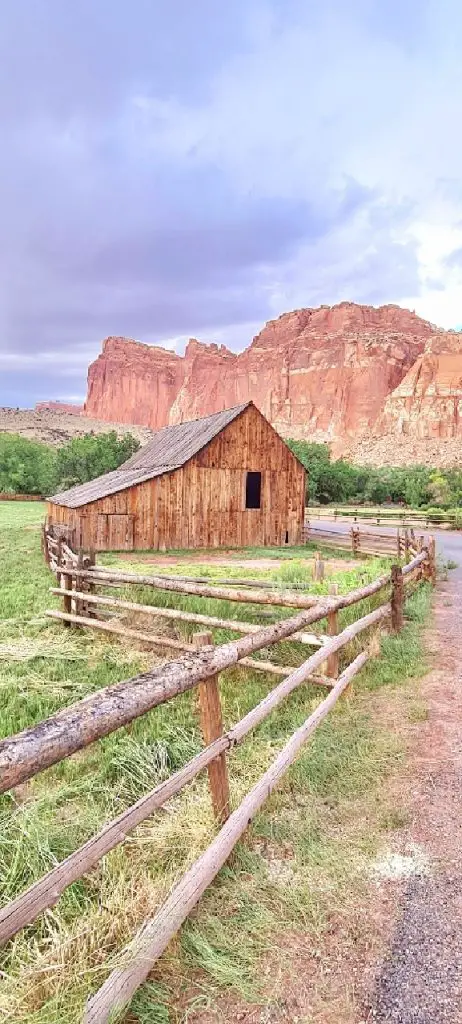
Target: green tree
(29, 467)
(440, 489)
(417, 491)
(85, 458)
(327, 480)
(26, 467)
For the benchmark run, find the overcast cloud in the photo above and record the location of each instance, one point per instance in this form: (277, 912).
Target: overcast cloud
(193, 169)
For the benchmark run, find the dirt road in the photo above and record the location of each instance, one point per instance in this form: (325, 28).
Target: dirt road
(421, 978)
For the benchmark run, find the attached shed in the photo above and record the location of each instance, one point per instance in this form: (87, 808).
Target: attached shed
(222, 481)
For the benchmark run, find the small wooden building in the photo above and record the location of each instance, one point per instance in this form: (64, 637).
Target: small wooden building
(222, 481)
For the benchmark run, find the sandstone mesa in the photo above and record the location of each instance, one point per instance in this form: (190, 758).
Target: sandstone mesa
(342, 374)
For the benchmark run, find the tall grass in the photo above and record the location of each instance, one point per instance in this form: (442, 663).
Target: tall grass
(299, 859)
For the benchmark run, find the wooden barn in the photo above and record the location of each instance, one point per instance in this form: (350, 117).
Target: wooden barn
(222, 481)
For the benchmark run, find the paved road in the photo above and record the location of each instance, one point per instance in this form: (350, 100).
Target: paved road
(448, 542)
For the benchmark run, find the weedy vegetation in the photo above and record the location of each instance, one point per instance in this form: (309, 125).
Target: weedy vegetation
(302, 858)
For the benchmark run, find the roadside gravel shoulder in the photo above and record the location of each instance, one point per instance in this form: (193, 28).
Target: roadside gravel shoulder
(420, 981)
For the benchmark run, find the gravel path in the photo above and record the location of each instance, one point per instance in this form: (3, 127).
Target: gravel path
(421, 978)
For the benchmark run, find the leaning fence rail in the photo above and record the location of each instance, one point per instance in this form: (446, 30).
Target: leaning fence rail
(76, 727)
(155, 935)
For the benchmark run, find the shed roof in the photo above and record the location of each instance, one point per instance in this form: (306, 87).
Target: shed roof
(169, 449)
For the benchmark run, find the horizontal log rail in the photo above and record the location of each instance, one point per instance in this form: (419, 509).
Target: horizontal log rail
(370, 534)
(169, 642)
(415, 562)
(45, 893)
(366, 544)
(155, 935)
(284, 600)
(107, 710)
(119, 630)
(230, 581)
(180, 616)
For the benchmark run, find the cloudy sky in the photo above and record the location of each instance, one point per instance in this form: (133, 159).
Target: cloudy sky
(194, 167)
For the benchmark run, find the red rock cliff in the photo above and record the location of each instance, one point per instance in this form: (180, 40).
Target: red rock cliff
(326, 374)
(133, 383)
(428, 401)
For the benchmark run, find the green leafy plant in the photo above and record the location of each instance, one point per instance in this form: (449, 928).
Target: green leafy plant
(29, 467)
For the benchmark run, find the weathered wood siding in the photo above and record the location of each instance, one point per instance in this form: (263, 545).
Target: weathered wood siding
(202, 504)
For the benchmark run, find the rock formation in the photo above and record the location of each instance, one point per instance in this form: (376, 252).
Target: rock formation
(65, 407)
(133, 383)
(428, 401)
(335, 374)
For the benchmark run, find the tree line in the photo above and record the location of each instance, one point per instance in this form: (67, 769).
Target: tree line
(31, 467)
(339, 481)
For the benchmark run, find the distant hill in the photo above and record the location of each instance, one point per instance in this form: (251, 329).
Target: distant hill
(56, 428)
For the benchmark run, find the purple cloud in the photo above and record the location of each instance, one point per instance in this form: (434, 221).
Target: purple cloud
(194, 169)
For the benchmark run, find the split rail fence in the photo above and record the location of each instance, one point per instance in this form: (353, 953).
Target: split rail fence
(6, 496)
(75, 727)
(362, 541)
(412, 518)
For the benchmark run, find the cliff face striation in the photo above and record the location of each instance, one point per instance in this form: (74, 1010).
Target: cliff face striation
(428, 401)
(335, 374)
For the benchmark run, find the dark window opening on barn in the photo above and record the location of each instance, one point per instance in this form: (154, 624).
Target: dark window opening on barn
(287, 536)
(253, 490)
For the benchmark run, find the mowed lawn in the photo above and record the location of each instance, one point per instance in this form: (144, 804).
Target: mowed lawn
(302, 860)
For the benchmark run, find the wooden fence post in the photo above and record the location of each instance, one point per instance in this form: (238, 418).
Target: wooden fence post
(78, 605)
(65, 582)
(45, 548)
(397, 598)
(332, 629)
(432, 559)
(318, 569)
(355, 540)
(212, 728)
(428, 569)
(89, 563)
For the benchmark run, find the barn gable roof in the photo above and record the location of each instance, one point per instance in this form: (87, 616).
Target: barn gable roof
(169, 449)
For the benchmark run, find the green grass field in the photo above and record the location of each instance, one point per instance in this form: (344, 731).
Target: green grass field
(301, 859)
(16, 514)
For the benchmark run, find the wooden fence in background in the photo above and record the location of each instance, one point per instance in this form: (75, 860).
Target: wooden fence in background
(4, 496)
(360, 540)
(26, 754)
(414, 518)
